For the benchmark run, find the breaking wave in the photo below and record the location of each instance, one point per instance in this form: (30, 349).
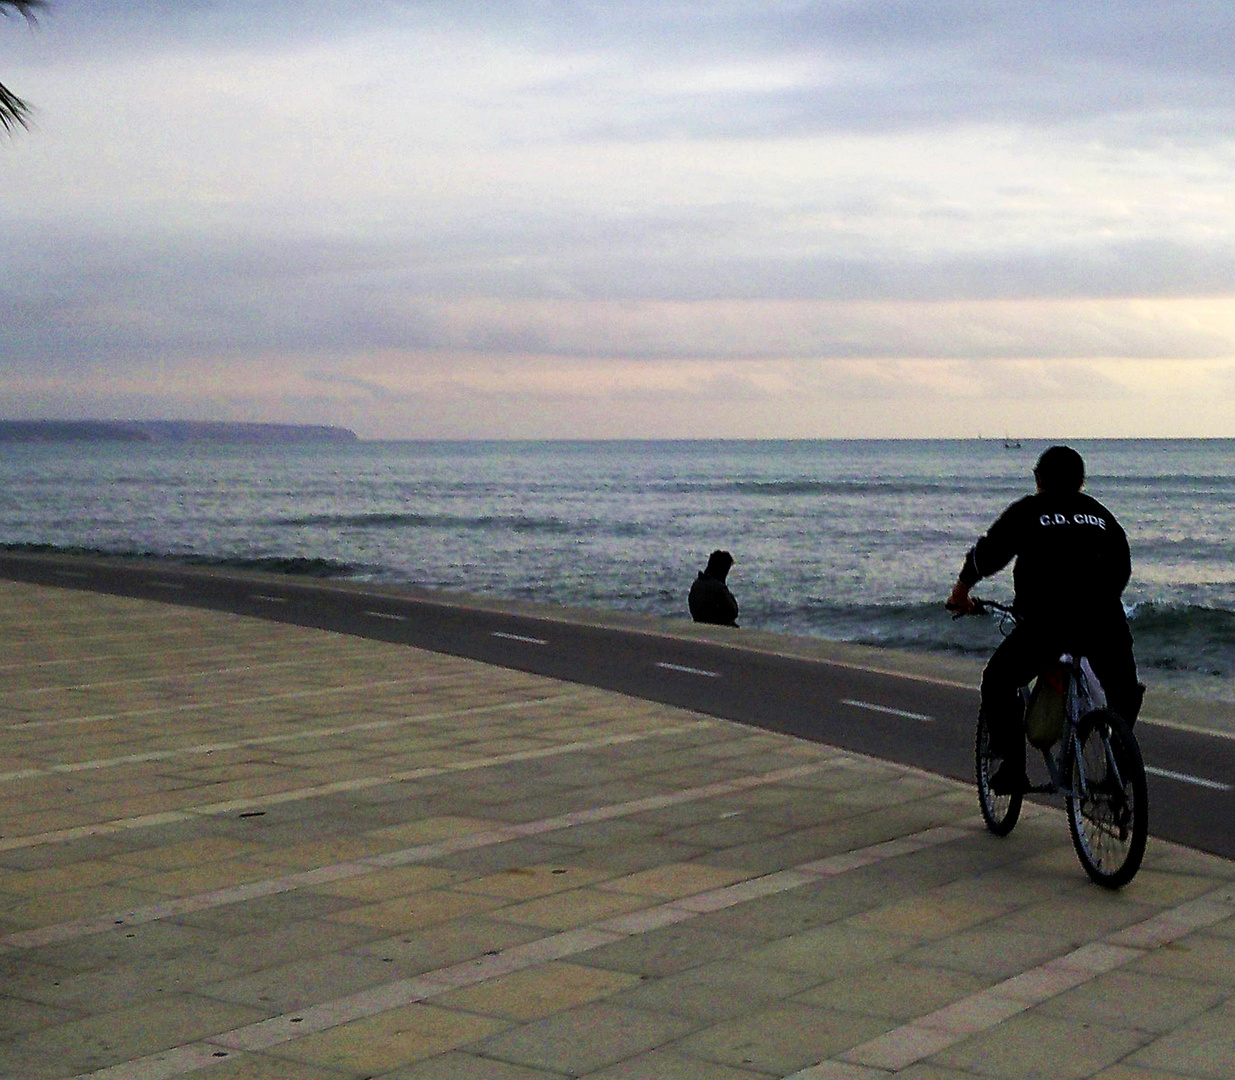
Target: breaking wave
(298, 566)
(516, 523)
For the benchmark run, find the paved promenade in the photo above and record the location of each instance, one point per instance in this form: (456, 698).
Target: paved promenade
(234, 849)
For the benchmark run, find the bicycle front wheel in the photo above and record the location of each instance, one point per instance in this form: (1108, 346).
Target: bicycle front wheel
(1108, 812)
(1000, 812)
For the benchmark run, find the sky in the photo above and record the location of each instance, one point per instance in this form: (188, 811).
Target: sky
(624, 219)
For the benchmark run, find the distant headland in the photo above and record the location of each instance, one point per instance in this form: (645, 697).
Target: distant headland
(168, 431)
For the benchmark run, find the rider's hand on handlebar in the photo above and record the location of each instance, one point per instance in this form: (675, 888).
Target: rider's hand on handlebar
(960, 602)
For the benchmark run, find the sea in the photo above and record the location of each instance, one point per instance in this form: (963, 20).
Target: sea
(856, 541)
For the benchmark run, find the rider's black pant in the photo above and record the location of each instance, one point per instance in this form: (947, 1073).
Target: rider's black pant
(1023, 654)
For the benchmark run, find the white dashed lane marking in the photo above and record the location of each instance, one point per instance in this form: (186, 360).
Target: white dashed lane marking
(1186, 778)
(385, 615)
(689, 670)
(518, 637)
(887, 709)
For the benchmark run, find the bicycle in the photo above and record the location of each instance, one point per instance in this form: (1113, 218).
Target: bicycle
(1093, 760)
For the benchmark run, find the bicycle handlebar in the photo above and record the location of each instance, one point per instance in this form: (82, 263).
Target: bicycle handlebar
(985, 607)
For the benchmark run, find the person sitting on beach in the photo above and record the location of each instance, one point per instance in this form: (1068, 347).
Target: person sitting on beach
(710, 600)
(1072, 564)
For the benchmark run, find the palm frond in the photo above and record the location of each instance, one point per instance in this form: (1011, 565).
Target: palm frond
(24, 7)
(13, 110)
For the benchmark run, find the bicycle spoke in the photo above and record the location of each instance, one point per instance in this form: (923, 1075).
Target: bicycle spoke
(1107, 814)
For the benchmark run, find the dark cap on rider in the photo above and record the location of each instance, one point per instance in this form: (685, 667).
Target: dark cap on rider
(1060, 469)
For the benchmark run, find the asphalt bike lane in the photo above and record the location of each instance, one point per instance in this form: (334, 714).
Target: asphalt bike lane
(911, 720)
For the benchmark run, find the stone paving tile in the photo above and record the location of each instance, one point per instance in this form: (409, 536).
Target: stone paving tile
(717, 991)
(1038, 1047)
(676, 880)
(1166, 889)
(564, 911)
(453, 966)
(512, 855)
(991, 950)
(584, 1039)
(1204, 957)
(668, 950)
(923, 1070)
(267, 946)
(387, 884)
(262, 1067)
(1205, 1047)
(381, 1043)
(535, 993)
(617, 833)
(458, 1065)
(107, 1038)
(281, 909)
(304, 982)
(527, 882)
(897, 990)
(55, 879)
(449, 943)
(1130, 999)
(928, 917)
(830, 951)
(781, 1038)
(45, 908)
(415, 911)
(112, 987)
(17, 1016)
(126, 945)
(208, 875)
(1091, 914)
(1224, 929)
(630, 858)
(668, 1064)
(774, 917)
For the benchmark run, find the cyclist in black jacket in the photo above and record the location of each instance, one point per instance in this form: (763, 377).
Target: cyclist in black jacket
(1072, 564)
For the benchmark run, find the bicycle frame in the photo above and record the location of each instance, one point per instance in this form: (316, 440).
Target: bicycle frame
(1082, 696)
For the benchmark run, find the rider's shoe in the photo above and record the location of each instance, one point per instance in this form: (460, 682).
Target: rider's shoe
(1009, 779)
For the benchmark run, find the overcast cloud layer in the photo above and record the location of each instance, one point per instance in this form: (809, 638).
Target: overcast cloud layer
(649, 218)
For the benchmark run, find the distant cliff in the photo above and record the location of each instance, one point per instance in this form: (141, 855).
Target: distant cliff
(168, 431)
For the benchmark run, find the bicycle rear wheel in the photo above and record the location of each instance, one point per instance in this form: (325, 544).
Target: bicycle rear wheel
(1000, 812)
(1109, 822)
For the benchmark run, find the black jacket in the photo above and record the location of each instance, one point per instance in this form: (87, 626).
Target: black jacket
(710, 601)
(1072, 560)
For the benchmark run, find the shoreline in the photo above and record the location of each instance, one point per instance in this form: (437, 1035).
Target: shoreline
(1165, 708)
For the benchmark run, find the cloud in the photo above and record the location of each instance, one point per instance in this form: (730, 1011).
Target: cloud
(843, 190)
(69, 300)
(368, 387)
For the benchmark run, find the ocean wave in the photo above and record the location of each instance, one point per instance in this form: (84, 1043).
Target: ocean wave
(1168, 550)
(777, 488)
(1169, 638)
(1185, 638)
(483, 522)
(1165, 481)
(297, 565)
